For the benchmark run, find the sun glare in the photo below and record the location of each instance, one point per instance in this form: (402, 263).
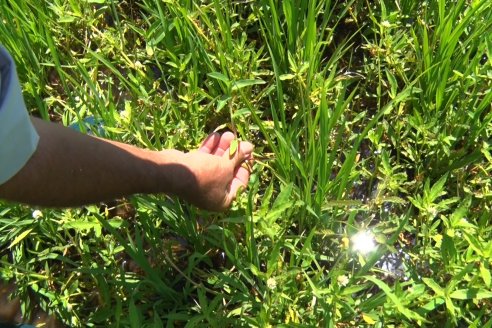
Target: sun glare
(363, 242)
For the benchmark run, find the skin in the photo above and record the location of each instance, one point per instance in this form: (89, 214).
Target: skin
(72, 169)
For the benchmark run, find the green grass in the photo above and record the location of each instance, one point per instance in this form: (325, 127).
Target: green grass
(366, 115)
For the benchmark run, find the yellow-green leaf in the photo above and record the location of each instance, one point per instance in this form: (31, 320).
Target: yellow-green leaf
(284, 77)
(485, 273)
(368, 319)
(20, 237)
(233, 147)
(150, 51)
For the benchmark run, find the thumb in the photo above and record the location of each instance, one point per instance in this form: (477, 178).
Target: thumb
(243, 152)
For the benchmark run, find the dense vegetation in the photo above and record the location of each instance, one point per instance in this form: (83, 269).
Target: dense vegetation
(370, 119)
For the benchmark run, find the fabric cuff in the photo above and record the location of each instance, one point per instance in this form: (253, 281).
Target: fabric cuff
(18, 137)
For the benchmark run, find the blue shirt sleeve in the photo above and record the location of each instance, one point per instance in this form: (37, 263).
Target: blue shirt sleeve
(18, 138)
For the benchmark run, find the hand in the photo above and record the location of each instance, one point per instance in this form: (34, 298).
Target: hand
(217, 175)
(72, 169)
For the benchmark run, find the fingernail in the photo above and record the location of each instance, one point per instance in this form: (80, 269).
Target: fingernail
(247, 147)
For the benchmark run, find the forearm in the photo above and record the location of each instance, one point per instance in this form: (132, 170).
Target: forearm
(71, 169)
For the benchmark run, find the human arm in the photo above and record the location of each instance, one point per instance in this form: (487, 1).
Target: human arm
(71, 169)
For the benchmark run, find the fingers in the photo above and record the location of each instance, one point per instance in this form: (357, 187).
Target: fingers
(242, 174)
(217, 144)
(224, 143)
(240, 181)
(209, 145)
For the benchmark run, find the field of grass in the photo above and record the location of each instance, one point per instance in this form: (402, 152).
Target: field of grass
(371, 120)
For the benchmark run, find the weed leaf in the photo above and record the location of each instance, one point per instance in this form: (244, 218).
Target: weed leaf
(246, 83)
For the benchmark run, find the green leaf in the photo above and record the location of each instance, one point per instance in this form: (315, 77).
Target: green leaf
(456, 218)
(219, 76)
(471, 293)
(475, 244)
(246, 83)
(432, 305)
(67, 19)
(282, 203)
(450, 306)
(437, 189)
(448, 249)
(222, 102)
(352, 289)
(116, 222)
(80, 225)
(255, 271)
(434, 286)
(393, 84)
(273, 258)
(134, 315)
(402, 309)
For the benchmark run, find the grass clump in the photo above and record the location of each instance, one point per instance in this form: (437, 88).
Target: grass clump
(367, 117)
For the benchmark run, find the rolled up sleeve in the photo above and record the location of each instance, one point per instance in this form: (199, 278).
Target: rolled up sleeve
(18, 138)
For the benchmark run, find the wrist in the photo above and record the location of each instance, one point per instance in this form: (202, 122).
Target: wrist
(170, 174)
